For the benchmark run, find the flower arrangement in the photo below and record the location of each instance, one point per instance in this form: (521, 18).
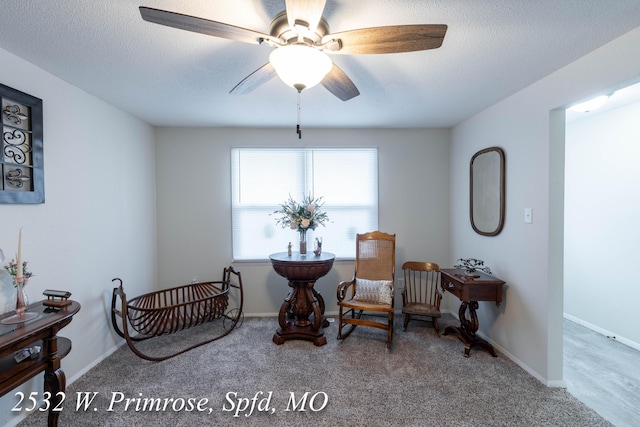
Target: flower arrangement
(471, 265)
(12, 268)
(303, 216)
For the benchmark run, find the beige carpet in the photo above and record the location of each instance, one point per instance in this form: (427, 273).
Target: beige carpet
(423, 381)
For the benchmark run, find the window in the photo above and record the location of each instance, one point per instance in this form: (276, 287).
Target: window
(262, 179)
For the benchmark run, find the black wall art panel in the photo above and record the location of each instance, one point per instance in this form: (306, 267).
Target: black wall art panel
(21, 157)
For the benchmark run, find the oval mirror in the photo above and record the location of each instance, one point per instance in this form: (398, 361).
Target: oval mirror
(487, 191)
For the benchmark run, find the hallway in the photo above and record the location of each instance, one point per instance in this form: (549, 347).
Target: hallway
(602, 373)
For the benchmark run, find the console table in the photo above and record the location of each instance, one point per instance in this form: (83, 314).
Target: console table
(41, 331)
(303, 304)
(470, 290)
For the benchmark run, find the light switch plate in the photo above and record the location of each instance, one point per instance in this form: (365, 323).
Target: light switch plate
(528, 215)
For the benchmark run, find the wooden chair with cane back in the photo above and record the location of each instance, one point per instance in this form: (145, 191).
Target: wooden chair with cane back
(368, 298)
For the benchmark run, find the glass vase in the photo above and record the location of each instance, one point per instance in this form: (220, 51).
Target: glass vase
(303, 242)
(22, 315)
(21, 297)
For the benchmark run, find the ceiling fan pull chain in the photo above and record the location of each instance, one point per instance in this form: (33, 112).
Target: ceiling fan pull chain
(298, 130)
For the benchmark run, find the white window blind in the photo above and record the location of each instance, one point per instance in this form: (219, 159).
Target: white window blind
(262, 179)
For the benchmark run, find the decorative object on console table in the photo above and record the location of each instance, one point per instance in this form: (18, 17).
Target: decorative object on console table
(18, 270)
(21, 152)
(301, 315)
(21, 304)
(470, 290)
(471, 266)
(56, 299)
(302, 217)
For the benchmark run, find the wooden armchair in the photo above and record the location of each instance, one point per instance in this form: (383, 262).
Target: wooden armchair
(371, 292)
(420, 296)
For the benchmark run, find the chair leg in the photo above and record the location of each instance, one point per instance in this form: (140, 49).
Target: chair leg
(406, 320)
(390, 331)
(436, 325)
(348, 331)
(341, 335)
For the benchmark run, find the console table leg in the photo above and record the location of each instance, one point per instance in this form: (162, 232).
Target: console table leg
(466, 332)
(55, 382)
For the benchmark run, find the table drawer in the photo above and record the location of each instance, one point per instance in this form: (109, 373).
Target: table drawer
(452, 286)
(466, 288)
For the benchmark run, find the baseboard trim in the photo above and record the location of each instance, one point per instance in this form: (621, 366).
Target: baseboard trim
(95, 362)
(527, 368)
(601, 331)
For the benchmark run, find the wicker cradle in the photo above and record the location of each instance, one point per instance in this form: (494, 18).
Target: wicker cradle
(171, 310)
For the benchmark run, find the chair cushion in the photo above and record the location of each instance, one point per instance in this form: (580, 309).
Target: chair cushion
(373, 291)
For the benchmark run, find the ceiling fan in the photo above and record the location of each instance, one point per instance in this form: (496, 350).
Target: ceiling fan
(301, 36)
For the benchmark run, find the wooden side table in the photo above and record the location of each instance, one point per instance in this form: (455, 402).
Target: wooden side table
(470, 290)
(42, 332)
(303, 304)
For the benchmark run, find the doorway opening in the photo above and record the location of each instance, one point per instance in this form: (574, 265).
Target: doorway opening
(601, 207)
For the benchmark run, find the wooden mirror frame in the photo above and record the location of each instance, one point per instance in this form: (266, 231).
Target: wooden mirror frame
(487, 182)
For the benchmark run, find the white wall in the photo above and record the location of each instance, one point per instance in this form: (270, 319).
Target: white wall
(528, 325)
(194, 203)
(98, 220)
(601, 222)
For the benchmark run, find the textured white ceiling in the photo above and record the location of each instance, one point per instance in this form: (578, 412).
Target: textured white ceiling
(169, 77)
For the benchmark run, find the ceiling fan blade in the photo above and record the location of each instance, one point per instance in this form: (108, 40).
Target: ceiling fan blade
(309, 11)
(202, 26)
(392, 39)
(339, 84)
(255, 79)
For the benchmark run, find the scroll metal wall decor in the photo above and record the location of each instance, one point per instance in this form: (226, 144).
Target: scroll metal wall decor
(21, 157)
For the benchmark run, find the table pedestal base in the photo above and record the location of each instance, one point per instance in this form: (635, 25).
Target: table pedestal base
(466, 332)
(301, 333)
(469, 340)
(301, 315)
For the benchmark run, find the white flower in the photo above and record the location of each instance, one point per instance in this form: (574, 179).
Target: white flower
(301, 216)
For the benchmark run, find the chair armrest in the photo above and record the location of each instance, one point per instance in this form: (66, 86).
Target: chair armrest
(404, 297)
(438, 298)
(342, 288)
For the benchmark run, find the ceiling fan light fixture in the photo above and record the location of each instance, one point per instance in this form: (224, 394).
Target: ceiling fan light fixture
(300, 65)
(301, 37)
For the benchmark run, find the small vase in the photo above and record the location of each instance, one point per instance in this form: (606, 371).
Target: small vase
(22, 315)
(21, 297)
(303, 242)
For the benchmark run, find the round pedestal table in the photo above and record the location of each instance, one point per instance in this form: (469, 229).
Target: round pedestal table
(301, 315)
